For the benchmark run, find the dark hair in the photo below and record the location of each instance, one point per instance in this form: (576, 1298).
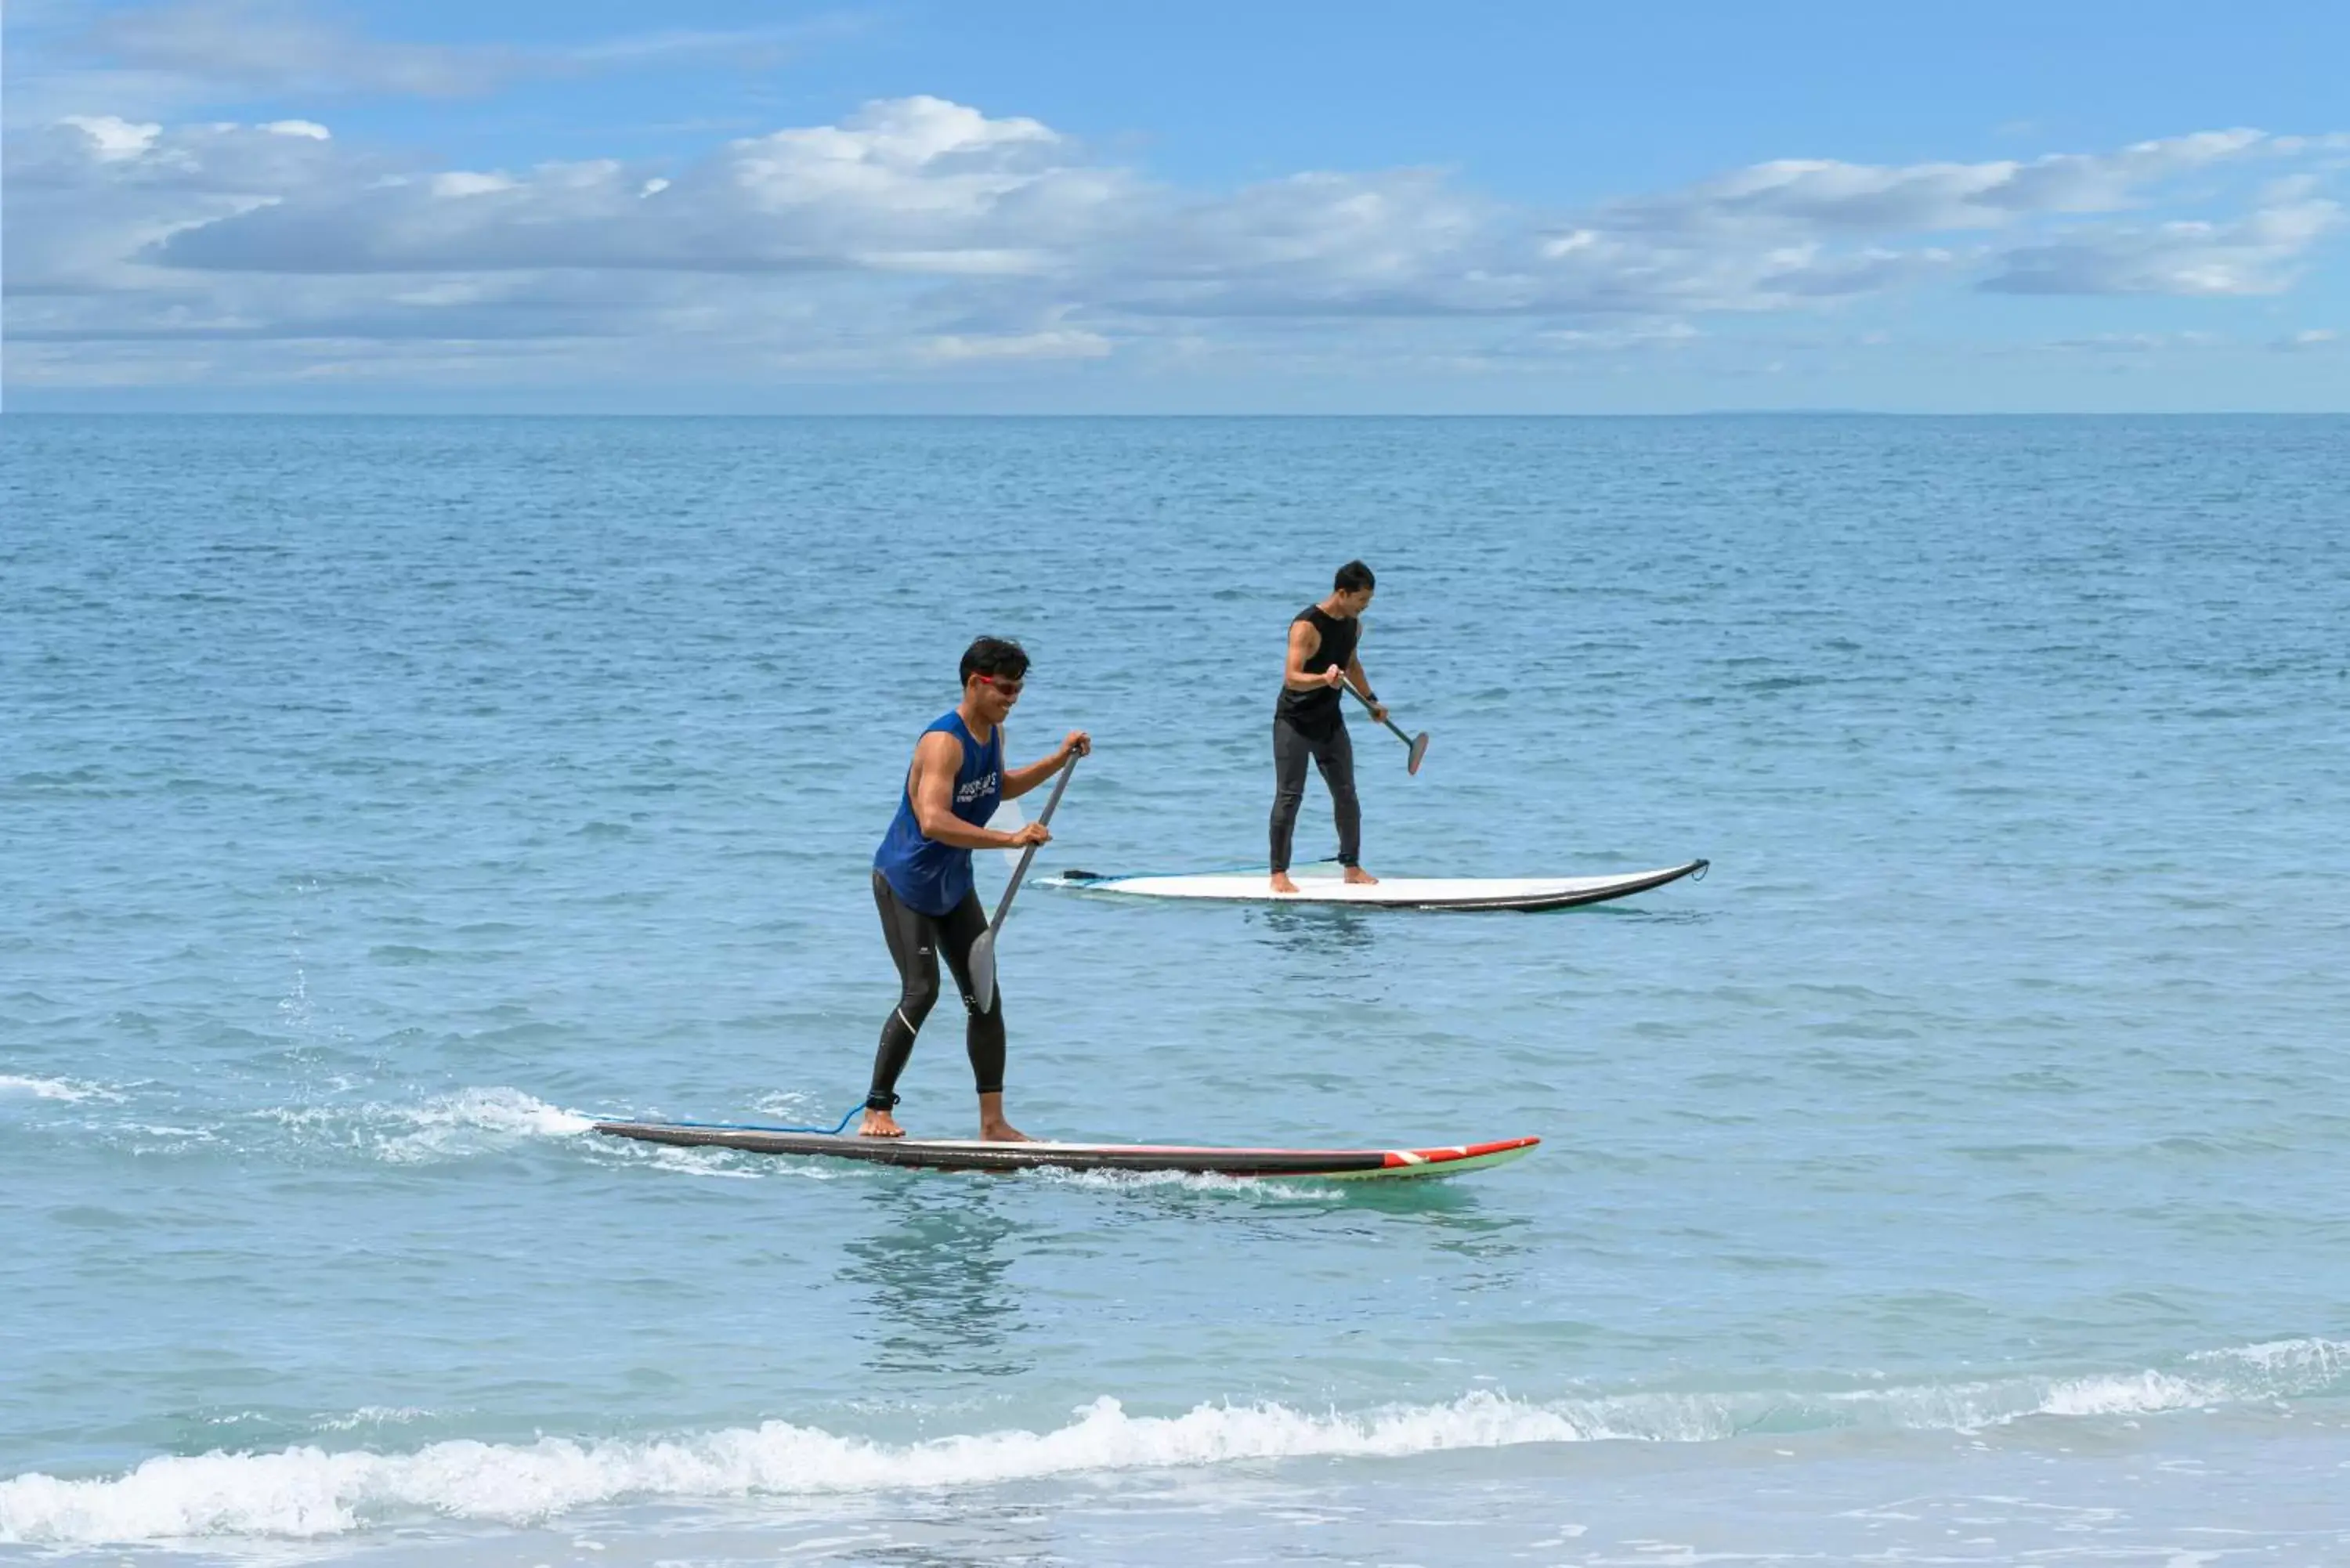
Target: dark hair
(1354, 577)
(995, 656)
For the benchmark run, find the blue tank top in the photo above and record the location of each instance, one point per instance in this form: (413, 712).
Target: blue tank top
(926, 875)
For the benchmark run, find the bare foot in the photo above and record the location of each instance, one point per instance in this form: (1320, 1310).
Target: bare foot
(1358, 878)
(880, 1123)
(1281, 884)
(992, 1128)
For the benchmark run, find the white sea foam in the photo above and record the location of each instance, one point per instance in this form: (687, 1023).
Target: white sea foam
(307, 1492)
(2142, 1393)
(1251, 1187)
(2299, 1364)
(65, 1089)
(445, 1127)
(503, 1110)
(373, 1415)
(714, 1165)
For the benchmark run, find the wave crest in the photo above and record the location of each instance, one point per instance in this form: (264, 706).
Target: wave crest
(309, 1492)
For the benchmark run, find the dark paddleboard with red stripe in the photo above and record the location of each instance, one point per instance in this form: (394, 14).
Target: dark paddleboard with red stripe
(962, 1154)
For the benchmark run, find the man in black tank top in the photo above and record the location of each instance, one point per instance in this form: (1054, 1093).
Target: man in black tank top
(1308, 721)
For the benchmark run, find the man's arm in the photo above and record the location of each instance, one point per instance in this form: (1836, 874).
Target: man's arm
(1305, 642)
(1362, 683)
(938, 757)
(1018, 781)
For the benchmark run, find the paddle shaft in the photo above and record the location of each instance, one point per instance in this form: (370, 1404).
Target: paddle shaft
(982, 962)
(1391, 723)
(1004, 905)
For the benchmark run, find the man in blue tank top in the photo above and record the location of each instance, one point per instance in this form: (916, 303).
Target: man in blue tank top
(922, 880)
(1309, 724)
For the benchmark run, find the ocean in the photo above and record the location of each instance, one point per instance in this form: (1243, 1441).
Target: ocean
(1955, 1175)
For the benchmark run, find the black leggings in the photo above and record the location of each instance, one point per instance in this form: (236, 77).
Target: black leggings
(1334, 754)
(915, 941)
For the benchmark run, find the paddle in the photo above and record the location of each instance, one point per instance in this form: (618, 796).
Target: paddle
(982, 951)
(1419, 743)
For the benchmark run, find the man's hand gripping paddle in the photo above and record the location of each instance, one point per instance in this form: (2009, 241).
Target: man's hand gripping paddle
(982, 951)
(1419, 743)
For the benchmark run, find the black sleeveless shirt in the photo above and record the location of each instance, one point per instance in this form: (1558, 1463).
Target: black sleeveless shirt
(1318, 711)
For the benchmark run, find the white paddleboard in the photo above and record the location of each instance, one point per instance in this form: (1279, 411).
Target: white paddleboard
(1322, 885)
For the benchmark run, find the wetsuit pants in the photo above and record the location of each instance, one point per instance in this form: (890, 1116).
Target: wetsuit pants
(1334, 754)
(916, 940)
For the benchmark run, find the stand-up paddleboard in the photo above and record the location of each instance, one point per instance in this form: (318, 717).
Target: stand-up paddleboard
(962, 1154)
(1321, 885)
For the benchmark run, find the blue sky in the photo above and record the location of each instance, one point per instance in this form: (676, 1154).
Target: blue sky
(1205, 208)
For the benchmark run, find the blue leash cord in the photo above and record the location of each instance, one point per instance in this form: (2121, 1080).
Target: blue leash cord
(1259, 868)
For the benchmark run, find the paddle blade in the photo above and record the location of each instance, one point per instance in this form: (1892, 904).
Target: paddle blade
(982, 971)
(1419, 752)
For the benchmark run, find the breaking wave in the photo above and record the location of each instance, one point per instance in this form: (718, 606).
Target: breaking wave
(310, 1492)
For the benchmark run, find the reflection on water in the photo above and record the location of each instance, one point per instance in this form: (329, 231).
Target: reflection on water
(937, 1268)
(1318, 929)
(1267, 1211)
(1633, 910)
(936, 1264)
(1489, 1248)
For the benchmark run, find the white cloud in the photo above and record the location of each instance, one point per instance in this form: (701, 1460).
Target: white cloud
(2252, 256)
(762, 45)
(1610, 339)
(91, 195)
(922, 232)
(925, 188)
(1063, 344)
(457, 183)
(1826, 197)
(278, 46)
(2135, 343)
(916, 185)
(111, 139)
(166, 59)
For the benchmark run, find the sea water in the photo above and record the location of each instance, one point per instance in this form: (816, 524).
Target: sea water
(1957, 1174)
